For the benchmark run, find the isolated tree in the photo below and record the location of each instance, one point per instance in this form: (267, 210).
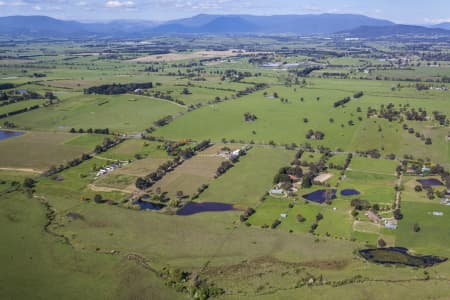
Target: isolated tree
(319, 217)
(416, 227)
(398, 214)
(301, 218)
(29, 182)
(381, 243)
(180, 194)
(98, 198)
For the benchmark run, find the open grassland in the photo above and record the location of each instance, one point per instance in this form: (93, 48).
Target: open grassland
(50, 268)
(373, 166)
(127, 113)
(190, 176)
(188, 56)
(128, 149)
(433, 236)
(289, 122)
(249, 260)
(19, 105)
(249, 179)
(373, 187)
(40, 150)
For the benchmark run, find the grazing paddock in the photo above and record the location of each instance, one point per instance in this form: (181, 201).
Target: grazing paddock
(433, 236)
(375, 188)
(249, 179)
(124, 113)
(188, 56)
(129, 148)
(410, 195)
(191, 175)
(19, 105)
(40, 150)
(32, 257)
(141, 167)
(374, 166)
(117, 181)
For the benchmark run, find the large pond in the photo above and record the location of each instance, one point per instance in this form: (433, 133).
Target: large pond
(430, 182)
(194, 208)
(144, 205)
(321, 196)
(399, 256)
(350, 192)
(9, 134)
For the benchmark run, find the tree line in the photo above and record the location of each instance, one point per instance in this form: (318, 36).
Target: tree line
(117, 88)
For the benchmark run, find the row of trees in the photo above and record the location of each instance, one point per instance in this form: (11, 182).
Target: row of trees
(90, 130)
(342, 102)
(183, 154)
(143, 183)
(19, 111)
(107, 144)
(117, 88)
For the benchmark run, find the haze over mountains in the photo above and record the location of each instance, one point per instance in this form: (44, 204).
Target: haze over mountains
(354, 25)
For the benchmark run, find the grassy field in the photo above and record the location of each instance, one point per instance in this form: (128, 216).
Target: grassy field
(190, 176)
(77, 248)
(51, 268)
(249, 179)
(40, 150)
(128, 113)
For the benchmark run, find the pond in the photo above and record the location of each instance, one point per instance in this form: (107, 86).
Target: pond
(321, 196)
(350, 192)
(9, 134)
(399, 256)
(430, 182)
(194, 208)
(144, 205)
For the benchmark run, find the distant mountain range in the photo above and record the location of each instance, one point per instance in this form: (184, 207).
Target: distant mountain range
(396, 30)
(442, 26)
(42, 26)
(297, 24)
(353, 25)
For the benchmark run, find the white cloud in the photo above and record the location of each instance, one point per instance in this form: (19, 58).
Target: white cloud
(436, 21)
(119, 4)
(37, 8)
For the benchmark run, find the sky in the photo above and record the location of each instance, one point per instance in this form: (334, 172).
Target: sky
(399, 11)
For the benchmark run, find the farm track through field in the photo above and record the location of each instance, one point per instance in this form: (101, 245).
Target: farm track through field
(108, 159)
(96, 188)
(371, 172)
(26, 170)
(173, 102)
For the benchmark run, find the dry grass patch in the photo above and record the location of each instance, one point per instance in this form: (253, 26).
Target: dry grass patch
(190, 175)
(141, 167)
(191, 55)
(40, 150)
